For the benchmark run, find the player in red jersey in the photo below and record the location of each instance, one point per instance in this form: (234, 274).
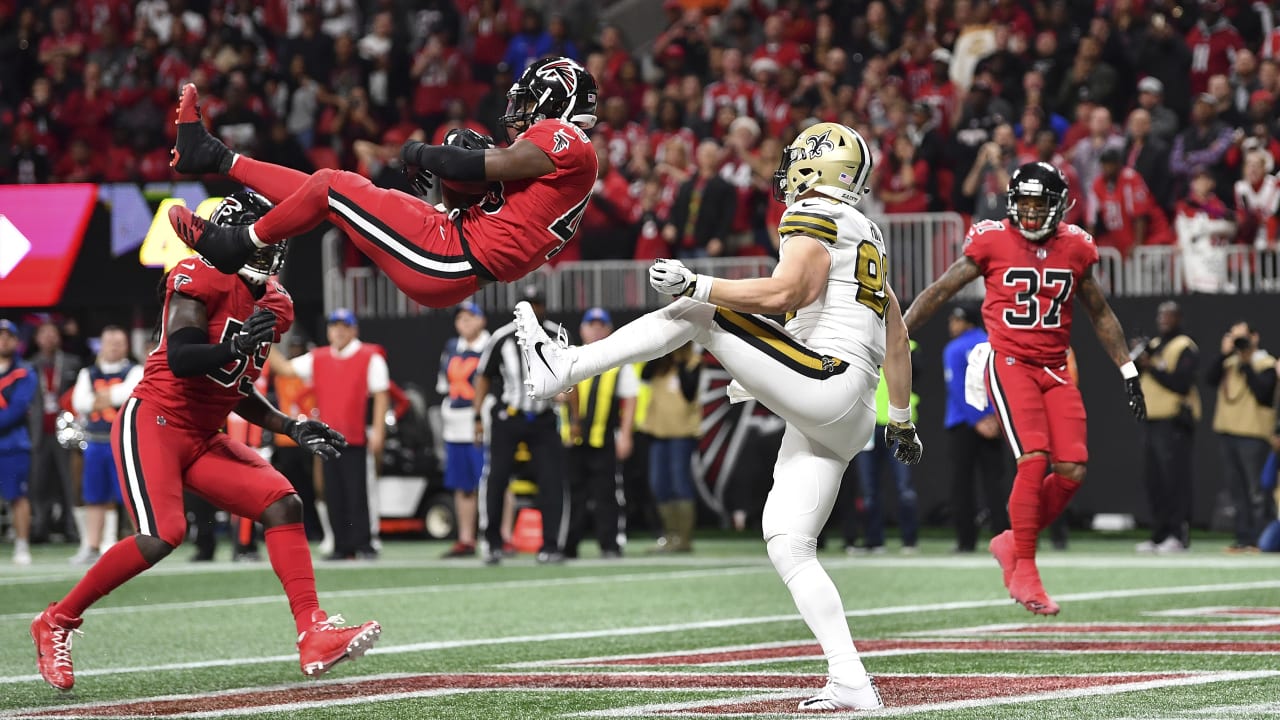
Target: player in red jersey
(1033, 264)
(536, 190)
(215, 334)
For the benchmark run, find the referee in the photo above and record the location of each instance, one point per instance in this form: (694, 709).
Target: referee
(516, 418)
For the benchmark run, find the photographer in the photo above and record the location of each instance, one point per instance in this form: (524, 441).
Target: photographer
(1167, 364)
(988, 178)
(1244, 420)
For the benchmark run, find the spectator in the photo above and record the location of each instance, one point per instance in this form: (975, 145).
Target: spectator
(1225, 101)
(703, 211)
(1214, 42)
(732, 89)
(345, 375)
(378, 43)
(28, 161)
(674, 420)
(1168, 364)
(18, 390)
(514, 419)
(1204, 227)
(775, 46)
(1148, 155)
(599, 438)
(1124, 214)
(975, 129)
(904, 182)
(1164, 122)
(648, 223)
(975, 442)
(739, 169)
(529, 44)
(1203, 144)
(464, 450)
(100, 391)
(605, 230)
(876, 458)
(1257, 199)
(559, 44)
(669, 125)
(1243, 418)
(494, 103)
(977, 39)
(51, 482)
(618, 131)
(988, 178)
(1085, 154)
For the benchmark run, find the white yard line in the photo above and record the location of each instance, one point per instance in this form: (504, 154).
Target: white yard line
(654, 629)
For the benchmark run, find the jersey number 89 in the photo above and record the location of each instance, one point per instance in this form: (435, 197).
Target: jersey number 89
(872, 266)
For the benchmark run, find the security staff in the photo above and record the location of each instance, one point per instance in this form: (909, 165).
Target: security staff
(516, 418)
(977, 448)
(599, 437)
(1168, 365)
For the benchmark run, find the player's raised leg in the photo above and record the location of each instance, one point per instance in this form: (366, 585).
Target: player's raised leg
(238, 480)
(149, 458)
(806, 480)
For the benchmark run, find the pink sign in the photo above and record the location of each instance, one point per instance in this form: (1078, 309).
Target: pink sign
(40, 240)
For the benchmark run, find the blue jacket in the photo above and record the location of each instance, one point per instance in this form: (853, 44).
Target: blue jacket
(955, 361)
(18, 388)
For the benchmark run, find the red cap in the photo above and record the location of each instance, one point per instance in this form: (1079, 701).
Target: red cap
(1260, 96)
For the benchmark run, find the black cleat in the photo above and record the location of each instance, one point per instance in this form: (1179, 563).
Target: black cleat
(196, 152)
(226, 248)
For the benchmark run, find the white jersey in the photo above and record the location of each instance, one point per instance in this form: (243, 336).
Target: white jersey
(847, 319)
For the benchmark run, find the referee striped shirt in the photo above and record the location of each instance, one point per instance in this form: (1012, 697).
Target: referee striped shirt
(502, 364)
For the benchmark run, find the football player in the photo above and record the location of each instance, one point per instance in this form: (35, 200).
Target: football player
(215, 333)
(818, 372)
(536, 193)
(1033, 265)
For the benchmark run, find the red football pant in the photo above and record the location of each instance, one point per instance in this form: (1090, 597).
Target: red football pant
(412, 242)
(1039, 409)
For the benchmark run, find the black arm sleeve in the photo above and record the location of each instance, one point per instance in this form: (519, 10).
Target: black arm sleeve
(191, 355)
(1214, 376)
(689, 377)
(1181, 377)
(446, 161)
(1261, 384)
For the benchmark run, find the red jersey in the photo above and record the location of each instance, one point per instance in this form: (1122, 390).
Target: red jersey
(522, 223)
(1027, 310)
(1213, 51)
(203, 403)
(1122, 202)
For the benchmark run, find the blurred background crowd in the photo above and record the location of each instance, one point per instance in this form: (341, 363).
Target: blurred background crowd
(1134, 99)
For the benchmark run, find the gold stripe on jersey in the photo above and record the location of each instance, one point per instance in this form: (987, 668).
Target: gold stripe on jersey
(812, 224)
(778, 345)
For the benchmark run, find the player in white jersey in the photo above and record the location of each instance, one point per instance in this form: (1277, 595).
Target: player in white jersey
(818, 372)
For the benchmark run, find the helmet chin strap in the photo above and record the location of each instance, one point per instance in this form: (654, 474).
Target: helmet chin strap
(253, 277)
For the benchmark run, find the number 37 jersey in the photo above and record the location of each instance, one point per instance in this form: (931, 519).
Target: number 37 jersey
(847, 319)
(1030, 285)
(202, 403)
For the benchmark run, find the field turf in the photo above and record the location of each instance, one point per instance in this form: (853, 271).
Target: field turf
(713, 634)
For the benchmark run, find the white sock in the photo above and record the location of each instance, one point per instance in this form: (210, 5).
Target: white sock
(253, 235)
(81, 514)
(110, 528)
(20, 545)
(819, 604)
(322, 509)
(645, 338)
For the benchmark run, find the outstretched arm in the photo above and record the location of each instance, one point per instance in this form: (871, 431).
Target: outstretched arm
(897, 355)
(961, 273)
(521, 161)
(1111, 335)
(798, 279)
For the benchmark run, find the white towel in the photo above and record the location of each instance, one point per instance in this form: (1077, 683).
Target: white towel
(975, 376)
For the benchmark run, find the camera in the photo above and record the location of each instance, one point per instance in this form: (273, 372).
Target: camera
(1241, 343)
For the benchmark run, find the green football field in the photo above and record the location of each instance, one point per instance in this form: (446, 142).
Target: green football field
(708, 635)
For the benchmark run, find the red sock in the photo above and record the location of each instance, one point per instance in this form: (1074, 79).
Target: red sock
(1056, 492)
(291, 559)
(117, 566)
(275, 182)
(1024, 505)
(306, 208)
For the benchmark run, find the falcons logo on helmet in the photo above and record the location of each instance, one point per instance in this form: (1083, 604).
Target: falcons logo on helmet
(563, 71)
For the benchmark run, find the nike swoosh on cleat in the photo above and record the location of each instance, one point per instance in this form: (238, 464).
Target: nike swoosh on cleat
(538, 349)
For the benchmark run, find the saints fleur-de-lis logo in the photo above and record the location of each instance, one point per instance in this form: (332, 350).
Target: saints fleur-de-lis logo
(818, 144)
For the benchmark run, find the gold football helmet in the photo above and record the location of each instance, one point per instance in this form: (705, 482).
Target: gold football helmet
(829, 158)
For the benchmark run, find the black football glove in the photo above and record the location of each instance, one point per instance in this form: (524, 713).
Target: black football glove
(422, 181)
(260, 328)
(907, 448)
(1137, 402)
(316, 438)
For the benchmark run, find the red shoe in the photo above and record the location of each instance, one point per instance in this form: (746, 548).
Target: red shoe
(1001, 547)
(227, 248)
(52, 636)
(1026, 588)
(196, 152)
(326, 644)
(460, 550)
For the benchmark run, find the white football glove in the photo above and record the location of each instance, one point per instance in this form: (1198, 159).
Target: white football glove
(671, 277)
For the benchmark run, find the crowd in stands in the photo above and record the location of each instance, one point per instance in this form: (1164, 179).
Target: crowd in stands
(1157, 111)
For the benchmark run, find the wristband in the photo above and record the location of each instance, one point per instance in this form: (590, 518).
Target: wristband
(1129, 370)
(702, 288)
(899, 415)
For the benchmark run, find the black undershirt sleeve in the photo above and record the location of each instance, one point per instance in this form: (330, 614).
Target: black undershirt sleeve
(190, 353)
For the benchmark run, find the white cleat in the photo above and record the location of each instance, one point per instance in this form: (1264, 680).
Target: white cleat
(836, 696)
(546, 361)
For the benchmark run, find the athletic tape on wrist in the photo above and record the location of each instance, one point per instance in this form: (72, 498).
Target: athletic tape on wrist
(702, 288)
(899, 415)
(1129, 371)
